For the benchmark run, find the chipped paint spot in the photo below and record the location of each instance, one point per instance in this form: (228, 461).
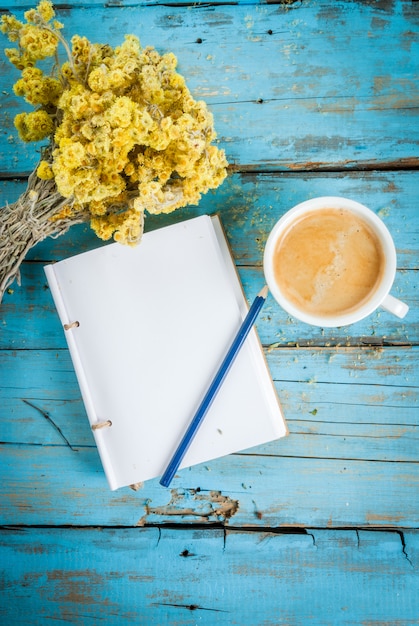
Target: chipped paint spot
(289, 50)
(384, 212)
(205, 92)
(200, 505)
(75, 586)
(249, 21)
(381, 83)
(390, 187)
(385, 520)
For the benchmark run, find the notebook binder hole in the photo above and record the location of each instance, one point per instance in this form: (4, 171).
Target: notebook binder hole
(105, 424)
(71, 325)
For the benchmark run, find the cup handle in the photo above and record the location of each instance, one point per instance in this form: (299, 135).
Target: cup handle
(395, 306)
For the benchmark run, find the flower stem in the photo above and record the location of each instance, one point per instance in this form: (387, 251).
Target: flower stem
(28, 221)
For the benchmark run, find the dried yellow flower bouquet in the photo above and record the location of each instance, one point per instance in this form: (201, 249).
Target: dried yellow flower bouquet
(124, 135)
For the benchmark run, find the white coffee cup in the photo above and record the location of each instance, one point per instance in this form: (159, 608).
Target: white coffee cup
(313, 212)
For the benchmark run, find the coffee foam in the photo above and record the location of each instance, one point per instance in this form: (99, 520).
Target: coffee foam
(328, 262)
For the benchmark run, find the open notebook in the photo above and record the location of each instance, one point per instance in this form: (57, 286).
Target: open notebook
(147, 328)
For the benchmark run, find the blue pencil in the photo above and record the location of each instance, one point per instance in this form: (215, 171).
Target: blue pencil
(215, 386)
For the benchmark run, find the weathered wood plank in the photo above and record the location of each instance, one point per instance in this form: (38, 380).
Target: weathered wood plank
(23, 5)
(362, 400)
(29, 319)
(176, 577)
(56, 486)
(249, 205)
(324, 99)
(376, 420)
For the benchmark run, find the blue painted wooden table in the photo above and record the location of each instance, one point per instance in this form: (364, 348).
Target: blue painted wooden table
(309, 98)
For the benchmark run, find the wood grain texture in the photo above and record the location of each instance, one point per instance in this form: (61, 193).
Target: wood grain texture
(331, 95)
(57, 486)
(312, 384)
(359, 446)
(114, 576)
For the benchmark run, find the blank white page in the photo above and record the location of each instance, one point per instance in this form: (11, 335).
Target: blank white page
(155, 323)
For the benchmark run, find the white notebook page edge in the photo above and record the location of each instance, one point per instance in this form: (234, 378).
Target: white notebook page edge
(252, 340)
(79, 371)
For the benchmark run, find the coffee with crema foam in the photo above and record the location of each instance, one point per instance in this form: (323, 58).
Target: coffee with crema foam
(328, 262)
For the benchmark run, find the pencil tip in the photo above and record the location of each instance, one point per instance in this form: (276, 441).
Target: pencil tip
(263, 293)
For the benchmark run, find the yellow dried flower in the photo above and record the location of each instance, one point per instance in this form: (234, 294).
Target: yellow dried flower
(38, 42)
(121, 112)
(34, 126)
(126, 134)
(126, 228)
(10, 26)
(68, 211)
(36, 39)
(36, 88)
(44, 171)
(46, 11)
